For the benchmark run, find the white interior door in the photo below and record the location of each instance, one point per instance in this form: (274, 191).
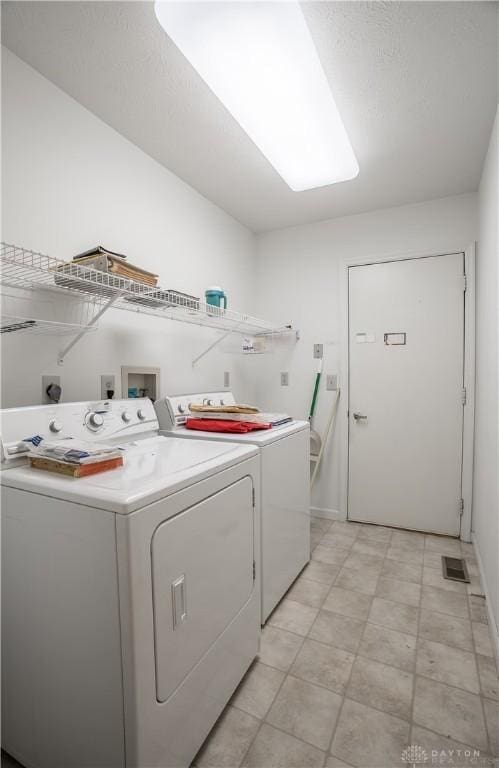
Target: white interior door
(406, 331)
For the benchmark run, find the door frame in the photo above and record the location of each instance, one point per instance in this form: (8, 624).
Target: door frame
(468, 378)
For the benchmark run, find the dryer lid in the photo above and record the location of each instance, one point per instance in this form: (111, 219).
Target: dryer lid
(258, 437)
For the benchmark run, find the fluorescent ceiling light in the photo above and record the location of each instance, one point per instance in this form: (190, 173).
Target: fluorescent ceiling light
(260, 61)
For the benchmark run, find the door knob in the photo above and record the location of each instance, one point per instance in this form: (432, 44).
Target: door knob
(359, 416)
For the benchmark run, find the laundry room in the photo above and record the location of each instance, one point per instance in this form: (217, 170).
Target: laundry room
(249, 416)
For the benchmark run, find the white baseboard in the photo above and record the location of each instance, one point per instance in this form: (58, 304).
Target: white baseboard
(493, 628)
(329, 514)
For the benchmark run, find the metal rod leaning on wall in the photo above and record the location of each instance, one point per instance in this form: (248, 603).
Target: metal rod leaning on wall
(330, 425)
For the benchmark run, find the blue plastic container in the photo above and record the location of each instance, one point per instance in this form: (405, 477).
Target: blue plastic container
(216, 297)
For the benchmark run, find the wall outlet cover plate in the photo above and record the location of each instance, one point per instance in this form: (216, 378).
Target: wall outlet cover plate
(107, 384)
(331, 382)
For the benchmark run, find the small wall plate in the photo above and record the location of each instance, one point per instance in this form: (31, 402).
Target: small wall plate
(318, 351)
(107, 384)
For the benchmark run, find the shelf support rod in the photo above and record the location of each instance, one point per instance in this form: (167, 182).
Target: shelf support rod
(96, 317)
(216, 343)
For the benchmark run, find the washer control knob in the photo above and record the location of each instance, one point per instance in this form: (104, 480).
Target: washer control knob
(96, 420)
(141, 414)
(210, 401)
(55, 426)
(222, 402)
(181, 408)
(126, 416)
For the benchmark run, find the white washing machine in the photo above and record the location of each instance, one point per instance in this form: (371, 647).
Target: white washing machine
(130, 599)
(285, 488)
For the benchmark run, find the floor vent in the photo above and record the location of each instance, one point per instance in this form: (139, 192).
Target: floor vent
(454, 568)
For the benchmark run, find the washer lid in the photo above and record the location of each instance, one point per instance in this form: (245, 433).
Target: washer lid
(154, 468)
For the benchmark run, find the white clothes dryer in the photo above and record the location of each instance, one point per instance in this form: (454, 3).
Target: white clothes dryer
(131, 598)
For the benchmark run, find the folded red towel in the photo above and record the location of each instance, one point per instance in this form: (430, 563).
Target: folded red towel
(221, 425)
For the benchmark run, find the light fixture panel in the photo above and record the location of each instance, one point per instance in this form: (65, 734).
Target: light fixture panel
(259, 59)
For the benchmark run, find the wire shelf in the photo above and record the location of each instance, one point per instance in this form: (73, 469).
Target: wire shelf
(17, 324)
(89, 293)
(28, 269)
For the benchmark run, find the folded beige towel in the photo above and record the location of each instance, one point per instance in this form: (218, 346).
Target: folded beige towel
(223, 409)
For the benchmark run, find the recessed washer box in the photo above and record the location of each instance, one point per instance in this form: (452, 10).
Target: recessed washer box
(140, 381)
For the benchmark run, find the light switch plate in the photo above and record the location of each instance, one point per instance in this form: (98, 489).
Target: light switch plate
(46, 381)
(284, 379)
(226, 378)
(107, 382)
(332, 381)
(318, 351)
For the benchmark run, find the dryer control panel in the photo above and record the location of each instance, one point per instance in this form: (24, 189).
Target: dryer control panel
(114, 421)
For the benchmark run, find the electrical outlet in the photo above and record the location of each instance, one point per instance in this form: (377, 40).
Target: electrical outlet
(107, 385)
(47, 381)
(284, 379)
(226, 378)
(318, 351)
(332, 381)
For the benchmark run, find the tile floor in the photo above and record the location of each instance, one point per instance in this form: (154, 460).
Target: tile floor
(370, 652)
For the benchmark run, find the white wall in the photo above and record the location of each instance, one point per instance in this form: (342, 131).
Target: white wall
(71, 182)
(298, 279)
(486, 468)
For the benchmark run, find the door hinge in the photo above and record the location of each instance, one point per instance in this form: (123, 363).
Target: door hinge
(253, 497)
(254, 570)
(461, 507)
(464, 396)
(465, 283)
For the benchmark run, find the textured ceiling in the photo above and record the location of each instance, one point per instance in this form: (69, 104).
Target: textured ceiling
(415, 82)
